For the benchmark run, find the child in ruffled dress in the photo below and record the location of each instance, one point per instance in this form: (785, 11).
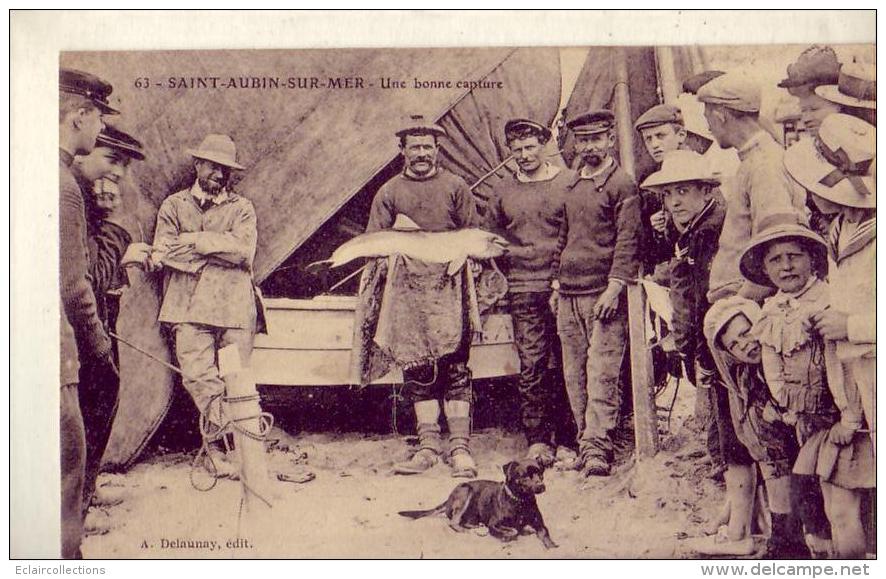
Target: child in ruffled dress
(793, 259)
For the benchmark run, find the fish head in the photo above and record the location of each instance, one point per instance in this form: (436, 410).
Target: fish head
(487, 245)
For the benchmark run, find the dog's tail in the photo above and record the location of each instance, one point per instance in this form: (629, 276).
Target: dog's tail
(439, 509)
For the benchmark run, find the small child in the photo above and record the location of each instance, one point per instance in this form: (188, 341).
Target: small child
(837, 169)
(771, 444)
(788, 256)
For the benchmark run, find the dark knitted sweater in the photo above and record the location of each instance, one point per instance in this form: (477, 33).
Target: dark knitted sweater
(529, 215)
(442, 202)
(600, 233)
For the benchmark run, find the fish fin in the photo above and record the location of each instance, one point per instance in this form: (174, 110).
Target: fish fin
(456, 264)
(318, 266)
(404, 223)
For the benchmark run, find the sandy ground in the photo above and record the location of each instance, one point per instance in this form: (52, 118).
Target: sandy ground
(350, 509)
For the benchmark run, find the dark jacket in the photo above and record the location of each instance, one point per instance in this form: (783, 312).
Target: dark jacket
(82, 333)
(600, 233)
(690, 270)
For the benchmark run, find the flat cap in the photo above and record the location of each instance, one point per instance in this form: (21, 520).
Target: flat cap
(515, 125)
(591, 122)
(419, 124)
(733, 90)
(817, 65)
(696, 81)
(87, 85)
(120, 140)
(659, 115)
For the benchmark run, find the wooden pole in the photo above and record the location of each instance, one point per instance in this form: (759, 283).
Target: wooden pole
(667, 76)
(624, 123)
(645, 419)
(244, 411)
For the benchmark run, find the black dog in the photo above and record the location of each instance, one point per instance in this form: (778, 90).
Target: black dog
(505, 508)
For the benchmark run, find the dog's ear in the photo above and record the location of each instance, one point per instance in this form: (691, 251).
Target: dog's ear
(508, 468)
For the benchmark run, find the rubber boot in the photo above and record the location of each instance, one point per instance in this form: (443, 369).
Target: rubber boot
(428, 453)
(463, 465)
(787, 540)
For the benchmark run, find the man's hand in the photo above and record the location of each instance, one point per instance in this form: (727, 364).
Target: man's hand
(840, 434)
(107, 196)
(154, 262)
(137, 253)
(554, 302)
(659, 221)
(607, 303)
(831, 324)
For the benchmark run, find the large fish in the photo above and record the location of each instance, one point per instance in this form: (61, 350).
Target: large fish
(452, 247)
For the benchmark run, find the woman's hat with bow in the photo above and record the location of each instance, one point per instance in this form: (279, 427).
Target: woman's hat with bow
(840, 163)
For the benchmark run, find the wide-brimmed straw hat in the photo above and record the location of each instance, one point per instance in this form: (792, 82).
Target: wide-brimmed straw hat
(838, 164)
(856, 87)
(781, 227)
(218, 149)
(681, 166)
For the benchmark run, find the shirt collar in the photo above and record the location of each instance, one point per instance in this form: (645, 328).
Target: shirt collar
(414, 177)
(786, 298)
(599, 178)
(547, 172)
(755, 141)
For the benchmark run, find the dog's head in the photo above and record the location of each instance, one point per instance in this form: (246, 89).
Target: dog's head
(524, 477)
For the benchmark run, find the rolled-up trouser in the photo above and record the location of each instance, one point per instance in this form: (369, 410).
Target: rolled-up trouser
(73, 458)
(542, 392)
(448, 377)
(592, 355)
(196, 347)
(99, 394)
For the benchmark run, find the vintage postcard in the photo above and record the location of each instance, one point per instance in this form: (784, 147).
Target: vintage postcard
(605, 301)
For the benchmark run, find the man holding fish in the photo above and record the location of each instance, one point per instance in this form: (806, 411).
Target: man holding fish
(528, 209)
(435, 200)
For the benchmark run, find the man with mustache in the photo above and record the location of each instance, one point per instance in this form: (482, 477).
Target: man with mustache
(597, 258)
(436, 200)
(205, 241)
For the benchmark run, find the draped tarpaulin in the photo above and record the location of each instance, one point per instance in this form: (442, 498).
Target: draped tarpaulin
(307, 151)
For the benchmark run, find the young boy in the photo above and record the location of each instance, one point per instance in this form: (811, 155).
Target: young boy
(686, 187)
